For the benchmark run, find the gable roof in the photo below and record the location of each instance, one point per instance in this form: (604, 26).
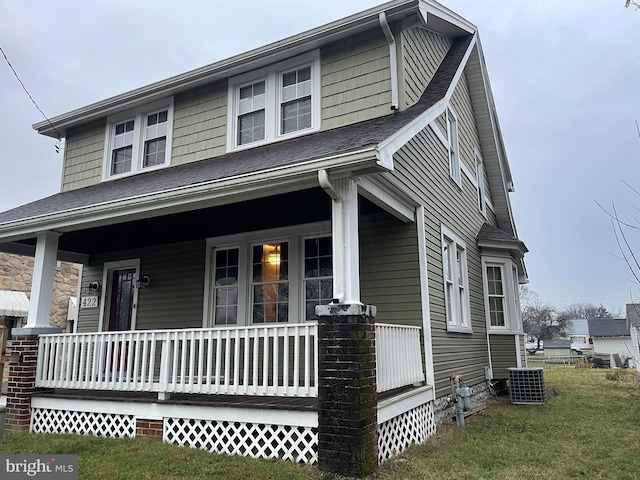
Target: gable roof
(439, 18)
(633, 315)
(608, 327)
(579, 326)
(353, 146)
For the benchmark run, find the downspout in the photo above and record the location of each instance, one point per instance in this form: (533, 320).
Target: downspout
(325, 183)
(393, 59)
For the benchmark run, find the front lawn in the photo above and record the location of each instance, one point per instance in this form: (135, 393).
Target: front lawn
(589, 428)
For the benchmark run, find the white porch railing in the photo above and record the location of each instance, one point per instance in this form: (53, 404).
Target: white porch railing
(398, 356)
(275, 359)
(269, 360)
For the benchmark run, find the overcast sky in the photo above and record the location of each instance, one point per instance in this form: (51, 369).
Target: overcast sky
(565, 77)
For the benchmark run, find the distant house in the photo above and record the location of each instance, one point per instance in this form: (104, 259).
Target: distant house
(611, 336)
(579, 334)
(557, 348)
(633, 324)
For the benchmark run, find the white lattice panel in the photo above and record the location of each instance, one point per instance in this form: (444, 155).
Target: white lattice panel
(44, 420)
(414, 426)
(298, 444)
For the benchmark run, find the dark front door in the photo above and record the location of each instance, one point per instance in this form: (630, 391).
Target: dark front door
(121, 301)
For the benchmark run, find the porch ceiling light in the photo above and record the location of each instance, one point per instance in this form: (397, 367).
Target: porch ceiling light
(143, 281)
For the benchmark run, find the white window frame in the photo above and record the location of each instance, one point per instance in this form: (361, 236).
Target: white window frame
(511, 305)
(272, 76)
(458, 308)
(453, 146)
(139, 116)
(482, 191)
(295, 236)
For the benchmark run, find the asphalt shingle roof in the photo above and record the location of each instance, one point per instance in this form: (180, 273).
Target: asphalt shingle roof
(290, 152)
(608, 327)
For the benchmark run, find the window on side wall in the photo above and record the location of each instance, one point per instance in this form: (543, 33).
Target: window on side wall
(453, 146)
(256, 279)
(455, 279)
(502, 308)
(138, 140)
(273, 103)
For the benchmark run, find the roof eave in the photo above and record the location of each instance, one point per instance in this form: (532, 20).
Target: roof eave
(211, 193)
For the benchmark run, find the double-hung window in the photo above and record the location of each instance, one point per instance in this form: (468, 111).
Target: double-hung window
(268, 277)
(455, 277)
(274, 103)
(138, 140)
(501, 295)
(453, 146)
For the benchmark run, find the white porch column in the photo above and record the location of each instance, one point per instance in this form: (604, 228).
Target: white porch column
(42, 284)
(344, 229)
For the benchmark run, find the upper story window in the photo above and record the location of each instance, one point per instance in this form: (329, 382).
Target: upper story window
(276, 102)
(482, 198)
(138, 140)
(456, 280)
(453, 146)
(502, 307)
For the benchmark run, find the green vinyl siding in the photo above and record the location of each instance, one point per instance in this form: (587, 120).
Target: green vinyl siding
(199, 124)
(422, 168)
(83, 153)
(422, 53)
(503, 355)
(174, 297)
(355, 79)
(389, 269)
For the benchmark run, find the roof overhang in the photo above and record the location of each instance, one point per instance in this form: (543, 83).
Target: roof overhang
(438, 18)
(202, 195)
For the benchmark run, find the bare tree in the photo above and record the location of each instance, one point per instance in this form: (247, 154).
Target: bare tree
(589, 311)
(629, 3)
(540, 320)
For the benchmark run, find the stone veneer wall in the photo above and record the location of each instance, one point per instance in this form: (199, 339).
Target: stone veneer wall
(445, 407)
(16, 272)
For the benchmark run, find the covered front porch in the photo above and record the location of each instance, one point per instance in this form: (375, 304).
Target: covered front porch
(188, 326)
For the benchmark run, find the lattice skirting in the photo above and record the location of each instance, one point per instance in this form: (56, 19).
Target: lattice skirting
(397, 434)
(298, 444)
(44, 420)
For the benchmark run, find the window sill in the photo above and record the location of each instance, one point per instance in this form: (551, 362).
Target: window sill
(456, 329)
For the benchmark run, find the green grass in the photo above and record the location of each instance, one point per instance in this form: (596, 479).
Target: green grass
(589, 428)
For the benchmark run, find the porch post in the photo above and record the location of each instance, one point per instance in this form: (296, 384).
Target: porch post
(44, 269)
(344, 234)
(347, 399)
(24, 349)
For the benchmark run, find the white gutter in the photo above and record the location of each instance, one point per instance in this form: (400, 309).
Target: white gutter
(393, 59)
(177, 198)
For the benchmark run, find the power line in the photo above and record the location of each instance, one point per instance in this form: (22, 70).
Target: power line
(30, 97)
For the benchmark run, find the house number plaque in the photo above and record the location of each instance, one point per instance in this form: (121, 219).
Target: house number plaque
(89, 301)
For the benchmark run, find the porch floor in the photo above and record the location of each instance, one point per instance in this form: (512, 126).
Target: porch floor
(241, 401)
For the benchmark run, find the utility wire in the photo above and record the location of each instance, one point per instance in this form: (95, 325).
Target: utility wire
(30, 97)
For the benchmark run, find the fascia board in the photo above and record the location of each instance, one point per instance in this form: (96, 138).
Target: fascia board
(433, 8)
(387, 198)
(276, 180)
(497, 138)
(250, 60)
(396, 141)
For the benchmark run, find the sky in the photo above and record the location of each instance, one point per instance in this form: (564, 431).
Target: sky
(564, 75)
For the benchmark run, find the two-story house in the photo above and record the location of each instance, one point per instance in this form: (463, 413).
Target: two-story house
(228, 216)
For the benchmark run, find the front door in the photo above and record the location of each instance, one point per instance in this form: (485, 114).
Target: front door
(121, 301)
